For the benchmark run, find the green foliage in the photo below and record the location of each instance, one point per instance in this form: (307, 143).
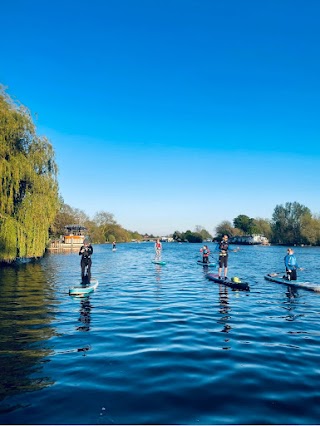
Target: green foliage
(103, 228)
(188, 236)
(263, 227)
(287, 223)
(203, 232)
(225, 228)
(28, 186)
(245, 224)
(193, 237)
(310, 229)
(67, 215)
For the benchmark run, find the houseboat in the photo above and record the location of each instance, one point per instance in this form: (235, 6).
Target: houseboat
(72, 239)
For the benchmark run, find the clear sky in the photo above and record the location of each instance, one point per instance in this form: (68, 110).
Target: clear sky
(172, 113)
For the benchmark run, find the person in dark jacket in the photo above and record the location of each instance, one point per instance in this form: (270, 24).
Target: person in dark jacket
(86, 252)
(223, 256)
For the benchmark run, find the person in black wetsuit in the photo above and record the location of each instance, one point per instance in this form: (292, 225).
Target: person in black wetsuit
(223, 256)
(86, 252)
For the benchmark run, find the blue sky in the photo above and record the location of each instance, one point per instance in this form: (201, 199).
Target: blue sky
(172, 114)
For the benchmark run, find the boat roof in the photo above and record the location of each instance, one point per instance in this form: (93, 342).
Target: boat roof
(75, 227)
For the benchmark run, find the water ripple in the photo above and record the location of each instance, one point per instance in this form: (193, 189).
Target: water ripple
(157, 344)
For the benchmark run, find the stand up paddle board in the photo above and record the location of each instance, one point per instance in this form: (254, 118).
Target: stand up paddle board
(278, 278)
(159, 262)
(210, 264)
(234, 283)
(84, 289)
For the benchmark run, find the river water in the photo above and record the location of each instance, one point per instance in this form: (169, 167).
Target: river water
(159, 344)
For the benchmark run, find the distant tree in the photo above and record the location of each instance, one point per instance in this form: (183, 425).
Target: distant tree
(188, 236)
(193, 237)
(96, 233)
(67, 215)
(246, 224)
(287, 221)
(203, 232)
(263, 227)
(135, 236)
(177, 236)
(225, 228)
(105, 221)
(310, 229)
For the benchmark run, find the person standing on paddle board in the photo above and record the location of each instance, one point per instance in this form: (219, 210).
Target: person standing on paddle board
(291, 264)
(223, 256)
(158, 249)
(205, 254)
(114, 246)
(86, 252)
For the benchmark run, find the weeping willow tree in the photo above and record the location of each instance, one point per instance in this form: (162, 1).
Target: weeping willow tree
(28, 184)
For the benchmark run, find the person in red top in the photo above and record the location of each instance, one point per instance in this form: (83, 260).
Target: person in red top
(158, 248)
(205, 254)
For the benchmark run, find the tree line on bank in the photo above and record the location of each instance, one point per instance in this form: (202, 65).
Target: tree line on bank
(31, 211)
(101, 228)
(291, 223)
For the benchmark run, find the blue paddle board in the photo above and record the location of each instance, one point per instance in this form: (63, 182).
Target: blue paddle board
(209, 264)
(159, 262)
(84, 289)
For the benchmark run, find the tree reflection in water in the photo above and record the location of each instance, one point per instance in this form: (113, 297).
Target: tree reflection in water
(27, 309)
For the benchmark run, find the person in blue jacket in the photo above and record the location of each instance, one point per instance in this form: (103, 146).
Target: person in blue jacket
(291, 265)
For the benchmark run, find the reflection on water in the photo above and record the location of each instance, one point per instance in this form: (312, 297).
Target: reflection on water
(85, 314)
(27, 308)
(224, 309)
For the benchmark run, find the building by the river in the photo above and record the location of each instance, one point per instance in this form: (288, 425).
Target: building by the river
(249, 240)
(71, 240)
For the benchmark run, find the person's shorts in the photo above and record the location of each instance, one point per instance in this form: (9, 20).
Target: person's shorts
(223, 261)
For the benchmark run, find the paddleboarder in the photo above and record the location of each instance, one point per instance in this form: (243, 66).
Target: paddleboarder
(86, 252)
(291, 265)
(223, 256)
(205, 254)
(158, 249)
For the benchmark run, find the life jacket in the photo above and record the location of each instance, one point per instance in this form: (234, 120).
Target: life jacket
(223, 248)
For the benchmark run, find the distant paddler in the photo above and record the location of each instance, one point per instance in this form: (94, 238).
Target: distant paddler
(205, 254)
(158, 249)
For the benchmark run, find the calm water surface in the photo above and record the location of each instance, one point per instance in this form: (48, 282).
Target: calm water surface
(159, 344)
